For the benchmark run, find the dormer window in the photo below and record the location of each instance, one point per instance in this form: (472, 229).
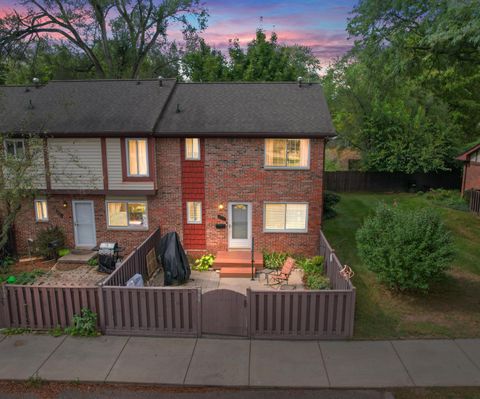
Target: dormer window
(137, 157)
(15, 148)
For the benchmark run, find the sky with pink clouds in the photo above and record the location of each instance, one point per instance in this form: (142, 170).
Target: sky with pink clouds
(319, 24)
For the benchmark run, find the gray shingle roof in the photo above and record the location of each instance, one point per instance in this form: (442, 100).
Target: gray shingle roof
(115, 107)
(86, 107)
(248, 108)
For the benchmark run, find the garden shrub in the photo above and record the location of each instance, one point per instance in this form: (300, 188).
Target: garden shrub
(407, 249)
(63, 252)
(330, 200)
(448, 198)
(313, 270)
(84, 324)
(317, 281)
(204, 263)
(274, 260)
(44, 237)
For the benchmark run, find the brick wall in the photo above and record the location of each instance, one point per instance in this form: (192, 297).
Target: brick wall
(193, 189)
(472, 176)
(163, 208)
(235, 172)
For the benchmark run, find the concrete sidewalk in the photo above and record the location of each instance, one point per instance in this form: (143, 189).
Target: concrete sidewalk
(242, 363)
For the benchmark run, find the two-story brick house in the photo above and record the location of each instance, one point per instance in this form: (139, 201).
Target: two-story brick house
(220, 163)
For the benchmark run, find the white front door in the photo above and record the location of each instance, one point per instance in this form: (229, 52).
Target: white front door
(239, 225)
(84, 224)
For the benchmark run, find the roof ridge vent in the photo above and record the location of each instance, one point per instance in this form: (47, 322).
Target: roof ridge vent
(160, 81)
(36, 82)
(299, 80)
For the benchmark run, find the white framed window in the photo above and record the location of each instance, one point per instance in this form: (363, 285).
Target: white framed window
(287, 153)
(291, 217)
(127, 214)
(137, 157)
(41, 211)
(192, 149)
(15, 148)
(194, 212)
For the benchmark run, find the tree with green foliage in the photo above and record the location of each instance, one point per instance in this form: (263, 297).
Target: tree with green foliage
(408, 94)
(263, 60)
(117, 37)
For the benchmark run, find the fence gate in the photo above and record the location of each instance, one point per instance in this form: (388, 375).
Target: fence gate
(224, 312)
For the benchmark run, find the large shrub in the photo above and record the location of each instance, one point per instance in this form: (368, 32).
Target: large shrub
(408, 249)
(46, 236)
(330, 200)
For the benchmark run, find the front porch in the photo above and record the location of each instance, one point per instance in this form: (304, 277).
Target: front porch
(238, 263)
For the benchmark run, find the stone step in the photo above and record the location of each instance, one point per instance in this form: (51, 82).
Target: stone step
(83, 257)
(235, 272)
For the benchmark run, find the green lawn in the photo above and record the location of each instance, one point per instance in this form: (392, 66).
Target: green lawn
(452, 309)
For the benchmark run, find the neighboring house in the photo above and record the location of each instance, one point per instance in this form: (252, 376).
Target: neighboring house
(220, 163)
(471, 168)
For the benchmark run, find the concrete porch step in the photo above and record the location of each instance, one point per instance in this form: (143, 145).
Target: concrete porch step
(235, 272)
(78, 257)
(236, 259)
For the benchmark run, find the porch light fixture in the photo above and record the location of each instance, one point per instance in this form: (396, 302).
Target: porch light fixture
(65, 204)
(220, 207)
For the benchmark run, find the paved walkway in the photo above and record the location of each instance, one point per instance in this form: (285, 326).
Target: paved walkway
(233, 362)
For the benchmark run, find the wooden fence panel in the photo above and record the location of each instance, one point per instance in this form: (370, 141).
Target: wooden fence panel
(352, 181)
(135, 262)
(152, 311)
(43, 308)
(475, 201)
(301, 314)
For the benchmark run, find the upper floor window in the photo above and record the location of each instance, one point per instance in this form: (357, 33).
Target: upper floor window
(287, 153)
(137, 157)
(15, 148)
(41, 212)
(475, 157)
(192, 149)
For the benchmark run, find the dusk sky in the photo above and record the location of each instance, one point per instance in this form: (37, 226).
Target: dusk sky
(319, 24)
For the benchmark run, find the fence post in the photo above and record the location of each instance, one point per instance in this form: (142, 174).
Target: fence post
(101, 309)
(3, 307)
(199, 312)
(352, 311)
(248, 312)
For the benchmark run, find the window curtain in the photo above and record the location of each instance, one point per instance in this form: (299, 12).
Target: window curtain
(142, 157)
(304, 147)
(274, 216)
(117, 214)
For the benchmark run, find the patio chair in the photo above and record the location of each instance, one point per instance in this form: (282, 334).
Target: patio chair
(281, 276)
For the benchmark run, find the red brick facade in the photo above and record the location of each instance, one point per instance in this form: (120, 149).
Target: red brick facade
(471, 176)
(231, 169)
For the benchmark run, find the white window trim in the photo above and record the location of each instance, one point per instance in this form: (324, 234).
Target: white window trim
(199, 158)
(127, 151)
(15, 141)
(189, 221)
(295, 231)
(37, 219)
(265, 166)
(134, 228)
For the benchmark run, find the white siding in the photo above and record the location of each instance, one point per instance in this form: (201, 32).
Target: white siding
(36, 177)
(75, 164)
(114, 161)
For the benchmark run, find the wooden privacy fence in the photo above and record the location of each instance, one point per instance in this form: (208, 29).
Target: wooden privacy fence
(43, 308)
(166, 311)
(135, 262)
(151, 311)
(475, 201)
(351, 181)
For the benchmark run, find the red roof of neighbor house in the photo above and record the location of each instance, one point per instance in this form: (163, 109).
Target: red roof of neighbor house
(464, 156)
